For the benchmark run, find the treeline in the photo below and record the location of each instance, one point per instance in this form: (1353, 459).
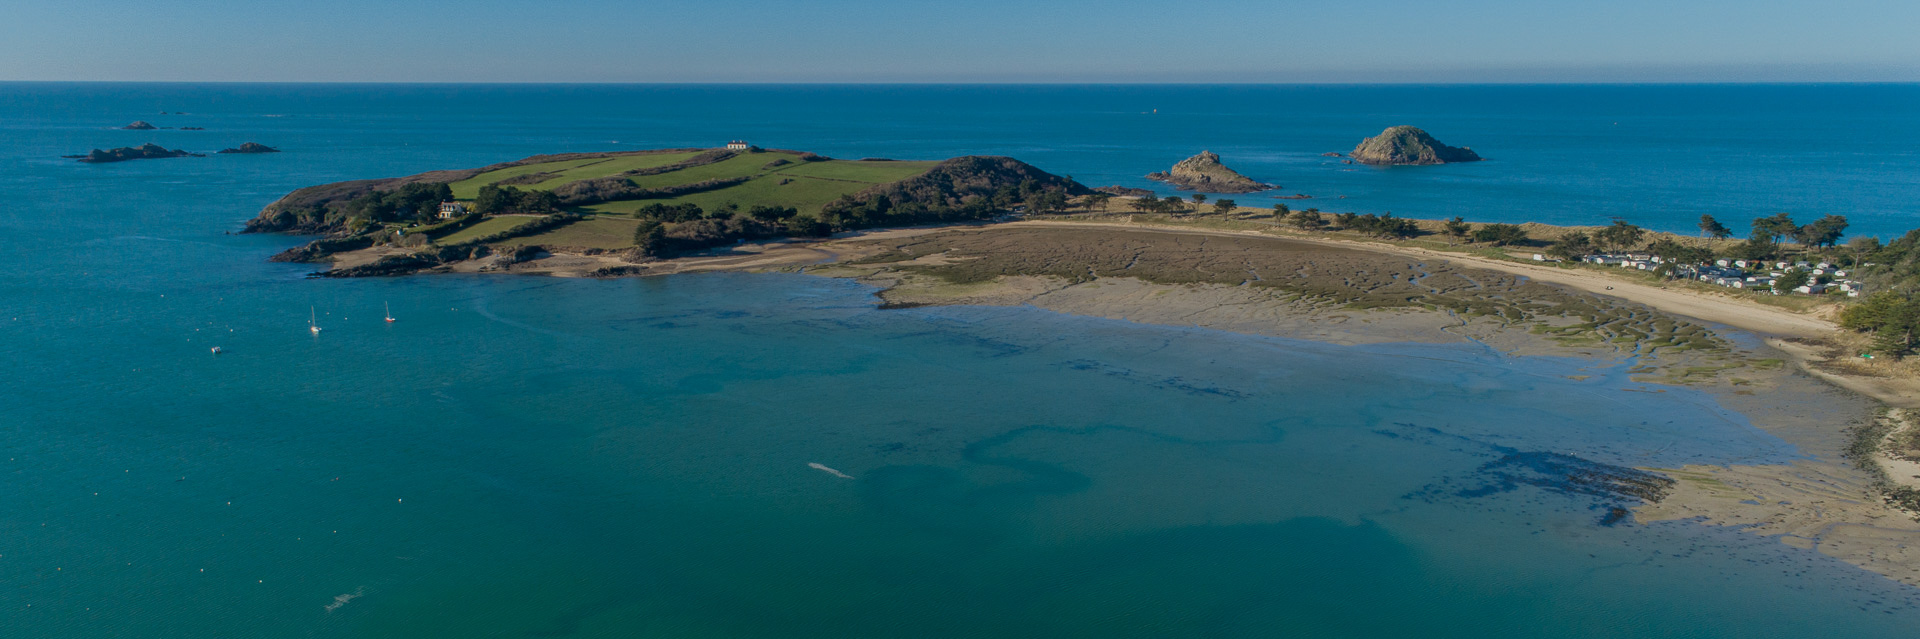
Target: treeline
(957, 190)
(666, 230)
(608, 189)
(498, 200)
(1765, 241)
(418, 202)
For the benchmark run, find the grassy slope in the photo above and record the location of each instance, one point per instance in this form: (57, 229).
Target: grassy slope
(812, 184)
(597, 232)
(485, 227)
(809, 186)
(465, 189)
(611, 167)
(871, 172)
(567, 170)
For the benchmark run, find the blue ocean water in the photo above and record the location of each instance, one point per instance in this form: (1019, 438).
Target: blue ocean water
(529, 456)
(1658, 155)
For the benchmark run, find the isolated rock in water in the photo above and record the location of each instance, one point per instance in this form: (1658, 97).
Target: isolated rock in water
(1204, 172)
(140, 125)
(251, 147)
(1409, 145)
(146, 151)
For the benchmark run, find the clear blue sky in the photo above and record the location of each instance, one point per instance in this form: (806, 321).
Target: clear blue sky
(961, 40)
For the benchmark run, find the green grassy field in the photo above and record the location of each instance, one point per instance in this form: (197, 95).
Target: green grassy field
(871, 172)
(465, 189)
(612, 166)
(808, 185)
(802, 185)
(567, 171)
(597, 232)
(736, 166)
(484, 228)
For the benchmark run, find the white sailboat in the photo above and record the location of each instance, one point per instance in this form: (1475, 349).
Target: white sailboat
(313, 320)
(389, 312)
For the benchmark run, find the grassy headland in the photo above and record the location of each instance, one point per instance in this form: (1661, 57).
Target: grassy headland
(649, 204)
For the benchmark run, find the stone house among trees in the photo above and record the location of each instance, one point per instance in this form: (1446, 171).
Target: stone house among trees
(450, 210)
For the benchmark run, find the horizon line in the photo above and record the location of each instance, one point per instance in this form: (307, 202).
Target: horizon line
(989, 83)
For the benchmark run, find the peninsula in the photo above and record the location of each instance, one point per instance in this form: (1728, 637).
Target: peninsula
(1659, 312)
(640, 206)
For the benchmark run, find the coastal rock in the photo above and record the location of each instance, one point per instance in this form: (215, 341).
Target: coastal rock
(1123, 191)
(318, 250)
(146, 151)
(251, 147)
(140, 125)
(1409, 145)
(193, 128)
(1333, 154)
(1204, 172)
(386, 266)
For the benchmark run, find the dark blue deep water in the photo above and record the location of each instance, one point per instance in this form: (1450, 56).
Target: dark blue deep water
(535, 457)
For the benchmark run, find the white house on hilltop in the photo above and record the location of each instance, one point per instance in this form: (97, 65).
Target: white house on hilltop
(737, 145)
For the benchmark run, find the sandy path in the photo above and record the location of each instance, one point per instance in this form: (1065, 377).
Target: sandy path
(1733, 312)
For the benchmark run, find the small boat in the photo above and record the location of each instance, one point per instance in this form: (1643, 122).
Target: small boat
(313, 321)
(389, 312)
(216, 350)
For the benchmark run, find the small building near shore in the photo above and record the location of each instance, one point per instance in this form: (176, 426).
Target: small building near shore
(450, 210)
(738, 145)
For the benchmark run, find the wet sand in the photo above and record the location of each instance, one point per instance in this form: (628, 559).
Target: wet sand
(1342, 294)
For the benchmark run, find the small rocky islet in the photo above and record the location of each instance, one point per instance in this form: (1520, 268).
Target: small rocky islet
(1407, 145)
(148, 151)
(1205, 173)
(251, 147)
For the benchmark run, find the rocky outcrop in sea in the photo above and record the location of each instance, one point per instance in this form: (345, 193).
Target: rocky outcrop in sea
(1408, 145)
(140, 125)
(148, 151)
(251, 147)
(1204, 172)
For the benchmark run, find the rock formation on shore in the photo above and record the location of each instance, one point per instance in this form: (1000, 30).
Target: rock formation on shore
(1204, 172)
(1409, 145)
(140, 125)
(146, 151)
(251, 147)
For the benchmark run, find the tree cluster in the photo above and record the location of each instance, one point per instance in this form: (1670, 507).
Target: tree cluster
(1303, 219)
(497, 200)
(1385, 225)
(410, 202)
(1499, 234)
(960, 189)
(1892, 318)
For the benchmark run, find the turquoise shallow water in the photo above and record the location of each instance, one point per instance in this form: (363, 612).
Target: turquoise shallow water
(537, 457)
